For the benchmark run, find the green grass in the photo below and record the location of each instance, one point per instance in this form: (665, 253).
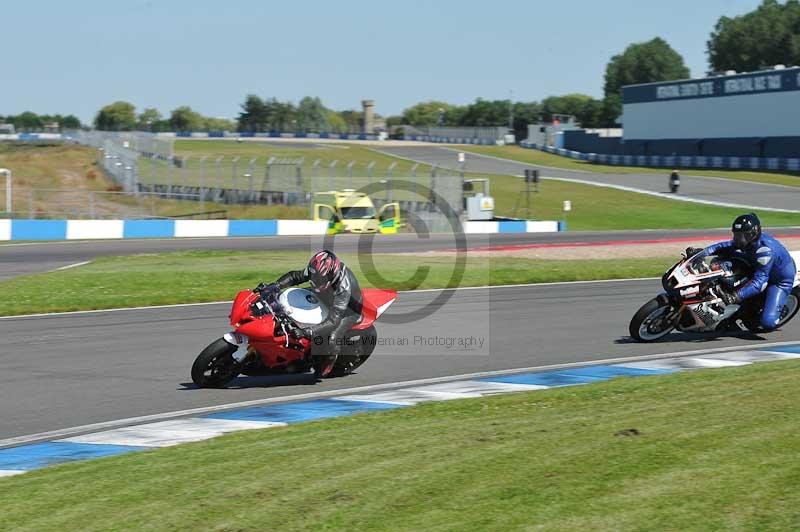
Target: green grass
(603, 209)
(531, 156)
(199, 276)
(591, 205)
(713, 450)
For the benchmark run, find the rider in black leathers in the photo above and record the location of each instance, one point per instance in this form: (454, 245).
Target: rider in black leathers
(338, 288)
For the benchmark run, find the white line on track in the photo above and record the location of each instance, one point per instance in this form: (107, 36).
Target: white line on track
(68, 266)
(423, 290)
(73, 431)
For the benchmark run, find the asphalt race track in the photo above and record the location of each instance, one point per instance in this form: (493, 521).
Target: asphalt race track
(62, 371)
(20, 259)
(701, 188)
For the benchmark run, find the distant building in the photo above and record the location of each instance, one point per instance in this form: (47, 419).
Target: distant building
(51, 127)
(752, 114)
(7, 129)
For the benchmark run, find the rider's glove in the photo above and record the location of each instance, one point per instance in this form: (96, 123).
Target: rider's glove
(690, 251)
(300, 332)
(730, 297)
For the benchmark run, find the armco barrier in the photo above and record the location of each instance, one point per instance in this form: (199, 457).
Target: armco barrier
(111, 229)
(677, 161)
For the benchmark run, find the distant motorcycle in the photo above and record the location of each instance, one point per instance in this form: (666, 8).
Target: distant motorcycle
(674, 182)
(691, 299)
(261, 342)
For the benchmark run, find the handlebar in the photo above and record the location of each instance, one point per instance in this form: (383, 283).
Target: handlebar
(268, 297)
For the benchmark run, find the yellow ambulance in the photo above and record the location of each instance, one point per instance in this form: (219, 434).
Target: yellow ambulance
(348, 211)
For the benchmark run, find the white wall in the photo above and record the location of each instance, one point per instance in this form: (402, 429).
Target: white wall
(775, 114)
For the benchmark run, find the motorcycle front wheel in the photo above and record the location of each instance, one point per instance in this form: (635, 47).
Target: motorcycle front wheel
(652, 321)
(214, 367)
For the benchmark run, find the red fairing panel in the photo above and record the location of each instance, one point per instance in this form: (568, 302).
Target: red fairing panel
(240, 310)
(375, 303)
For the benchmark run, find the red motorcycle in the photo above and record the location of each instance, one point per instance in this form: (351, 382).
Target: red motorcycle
(261, 342)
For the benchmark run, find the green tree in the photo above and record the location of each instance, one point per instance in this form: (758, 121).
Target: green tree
(254, 114)
(586, 110)
(185, 119)
(769, 35)
(336, 123)
(426, 114)
(525, 113)
(149, 120)
(70, 122)
(352, 120)
(219, 124)
(646, 62)
(117, 116)
(312, 115)
(27, 121)
(486, 113)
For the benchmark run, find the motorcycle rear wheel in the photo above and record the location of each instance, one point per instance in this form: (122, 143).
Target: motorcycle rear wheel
(348, 363)
(214, 367)
(790, 308)
(651, 322)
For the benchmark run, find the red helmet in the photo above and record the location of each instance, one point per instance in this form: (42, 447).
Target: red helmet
(323, 269)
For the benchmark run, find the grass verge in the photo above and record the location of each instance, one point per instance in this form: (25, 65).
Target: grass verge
(711, 450)
(531, 156)
(199, 276)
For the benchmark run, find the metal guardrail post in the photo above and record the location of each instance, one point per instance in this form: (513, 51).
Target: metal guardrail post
(218, 171)
(235, 173)
(9, 201)
(250, 170)
(170, 166)
(203, 182)
(350, 172)
(185, 171)
(331, 174)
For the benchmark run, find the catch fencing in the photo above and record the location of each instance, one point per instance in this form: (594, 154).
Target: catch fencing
(142, 164)
(44, 204)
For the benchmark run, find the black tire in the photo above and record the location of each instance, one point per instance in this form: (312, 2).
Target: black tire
(214, 367)
(348, 363)
(791, 307)
(640, 330)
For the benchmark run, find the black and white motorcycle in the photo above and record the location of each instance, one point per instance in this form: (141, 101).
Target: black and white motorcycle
(691, 299)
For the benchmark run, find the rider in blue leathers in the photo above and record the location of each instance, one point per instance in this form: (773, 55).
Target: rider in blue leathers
(774, 267)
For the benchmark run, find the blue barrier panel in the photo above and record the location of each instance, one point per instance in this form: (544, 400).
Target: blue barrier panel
(28, 136)
(216, 134)
(512, 227)
(38, 229)
(183, 134)
(252, 228)
(148, 229)
(562, 225)
(247, 134)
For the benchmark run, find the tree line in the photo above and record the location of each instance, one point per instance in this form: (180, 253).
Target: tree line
(767, 36)
(30, 121)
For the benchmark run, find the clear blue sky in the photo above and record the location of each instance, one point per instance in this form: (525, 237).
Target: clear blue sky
(75, 56)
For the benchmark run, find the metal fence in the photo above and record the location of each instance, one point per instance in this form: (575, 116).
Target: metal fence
(98, 205)
(145, 164)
